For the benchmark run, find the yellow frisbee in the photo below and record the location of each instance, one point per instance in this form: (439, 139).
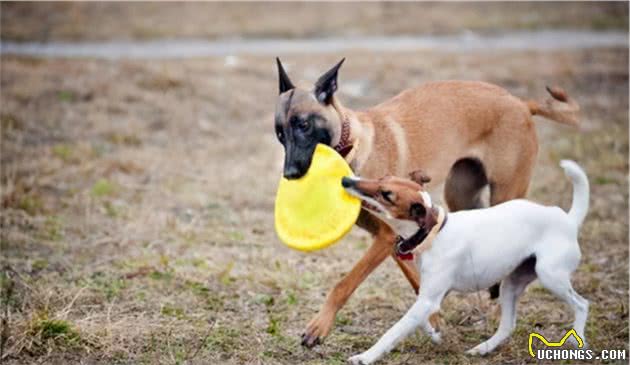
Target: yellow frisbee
(315, 211)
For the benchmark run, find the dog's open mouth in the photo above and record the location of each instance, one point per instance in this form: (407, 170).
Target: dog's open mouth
(422, 223)
(369, 206)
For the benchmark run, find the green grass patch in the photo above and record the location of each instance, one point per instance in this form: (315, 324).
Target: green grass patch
(53, 228)
(66, 96)
(307, 280)
(198, 288)
(223, 339)
(124, 139)
(161, 275)
(273, 328)
(110, 286)
(199, 263)
(31, 204)
(603, 180)
(111, 210)
(39, 264)
(173, 311)
(342, 320)
(236, 236)
(61, 332)
(224, 276)
(103, 187)
(291, 298)
(265, 299)
(63, 151)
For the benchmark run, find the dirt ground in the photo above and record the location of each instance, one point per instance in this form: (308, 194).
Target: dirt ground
(66, 21)
(137, 211)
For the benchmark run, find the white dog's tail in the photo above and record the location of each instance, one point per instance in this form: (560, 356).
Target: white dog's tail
(579, 206)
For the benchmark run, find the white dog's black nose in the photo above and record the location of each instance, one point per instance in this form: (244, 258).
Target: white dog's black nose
(347, 182)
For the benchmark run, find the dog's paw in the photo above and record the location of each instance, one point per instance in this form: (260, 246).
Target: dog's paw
(317, 329)
(473, 352)
(479, 350)
(358, 360)
(436, 338)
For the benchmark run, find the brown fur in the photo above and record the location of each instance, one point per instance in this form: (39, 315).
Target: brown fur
(468, 134)
(398, 196)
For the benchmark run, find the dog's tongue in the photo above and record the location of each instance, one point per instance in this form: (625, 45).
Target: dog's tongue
(430, 219)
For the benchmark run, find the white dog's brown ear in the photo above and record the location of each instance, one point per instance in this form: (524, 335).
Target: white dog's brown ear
(420, 177)
(326, 86)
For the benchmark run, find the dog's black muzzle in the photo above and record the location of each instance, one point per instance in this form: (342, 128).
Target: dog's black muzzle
(295, 170)
(297, 162)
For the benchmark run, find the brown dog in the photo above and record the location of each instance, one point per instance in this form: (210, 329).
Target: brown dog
(466, 134)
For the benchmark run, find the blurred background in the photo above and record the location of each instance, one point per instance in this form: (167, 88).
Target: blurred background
(139, 168)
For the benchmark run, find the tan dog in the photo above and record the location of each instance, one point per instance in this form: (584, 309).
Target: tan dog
(465, 134)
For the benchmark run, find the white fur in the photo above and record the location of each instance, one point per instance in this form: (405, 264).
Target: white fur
(477, 248)
(427, 199)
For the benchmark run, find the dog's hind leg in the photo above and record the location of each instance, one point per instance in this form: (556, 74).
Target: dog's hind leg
(557, 280)
(511, 289)
(464, 185)
(513, 183)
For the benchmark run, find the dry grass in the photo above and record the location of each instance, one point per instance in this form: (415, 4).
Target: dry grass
(107, 20)
(137, 199)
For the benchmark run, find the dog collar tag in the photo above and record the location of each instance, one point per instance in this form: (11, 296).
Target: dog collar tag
(406, 256)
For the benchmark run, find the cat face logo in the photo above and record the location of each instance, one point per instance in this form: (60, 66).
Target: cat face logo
(580, 342)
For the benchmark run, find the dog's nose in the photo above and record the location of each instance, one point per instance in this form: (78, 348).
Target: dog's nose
(292, 173)
(347, 182)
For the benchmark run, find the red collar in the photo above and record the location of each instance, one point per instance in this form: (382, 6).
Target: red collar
(344, 146)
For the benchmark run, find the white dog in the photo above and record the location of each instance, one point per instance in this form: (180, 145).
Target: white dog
(514, 242)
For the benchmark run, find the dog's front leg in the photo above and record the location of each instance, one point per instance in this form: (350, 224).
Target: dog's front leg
(320, 325)
(417, 315)
(408, 267)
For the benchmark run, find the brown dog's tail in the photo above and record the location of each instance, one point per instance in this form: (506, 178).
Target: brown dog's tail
(560, 108)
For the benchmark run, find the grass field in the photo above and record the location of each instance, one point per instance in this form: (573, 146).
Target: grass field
(137, 201)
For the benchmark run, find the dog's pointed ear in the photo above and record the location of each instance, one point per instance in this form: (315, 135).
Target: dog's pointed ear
(326, 85)
(420, 177)
(284, 81)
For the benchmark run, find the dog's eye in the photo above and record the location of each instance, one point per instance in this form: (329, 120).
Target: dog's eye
(387, 195)
(304, 125)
